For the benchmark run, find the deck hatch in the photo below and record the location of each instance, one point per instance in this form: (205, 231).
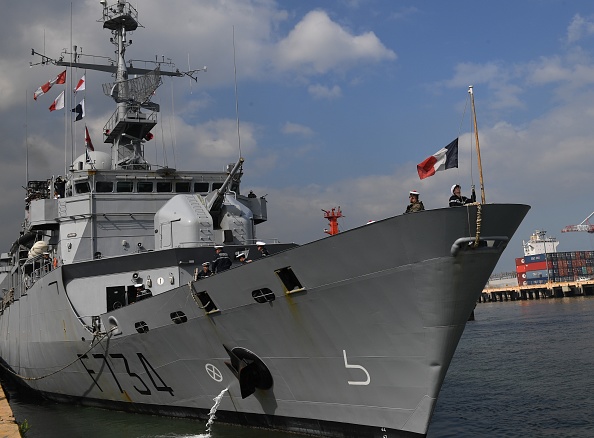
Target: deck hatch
(289, 280)
(116, 297)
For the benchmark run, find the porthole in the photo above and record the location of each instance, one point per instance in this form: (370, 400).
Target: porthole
(263, 295)
(141, 327)
(178, 317)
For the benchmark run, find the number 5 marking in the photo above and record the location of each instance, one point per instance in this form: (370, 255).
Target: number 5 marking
(359, 367)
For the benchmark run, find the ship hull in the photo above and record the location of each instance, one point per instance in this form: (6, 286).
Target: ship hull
(351, 335)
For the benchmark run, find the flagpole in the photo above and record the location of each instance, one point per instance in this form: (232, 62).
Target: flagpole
(478, 150)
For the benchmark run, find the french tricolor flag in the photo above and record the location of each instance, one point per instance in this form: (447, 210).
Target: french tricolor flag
(443, 159)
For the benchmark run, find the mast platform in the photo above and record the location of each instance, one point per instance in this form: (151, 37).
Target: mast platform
(120, 15)
(134, 124)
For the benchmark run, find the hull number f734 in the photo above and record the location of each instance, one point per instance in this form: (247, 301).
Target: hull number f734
(132, 378)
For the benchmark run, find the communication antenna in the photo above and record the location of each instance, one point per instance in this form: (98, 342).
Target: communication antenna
(236, 99)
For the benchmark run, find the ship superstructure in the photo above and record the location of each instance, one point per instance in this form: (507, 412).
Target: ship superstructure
(107, 302)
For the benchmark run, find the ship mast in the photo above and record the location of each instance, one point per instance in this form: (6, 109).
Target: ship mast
(129, 126)
(478, 150)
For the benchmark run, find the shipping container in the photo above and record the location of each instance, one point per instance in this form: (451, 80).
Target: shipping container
(536, 266)
(536, 274)
(530, 281)
(535, 258)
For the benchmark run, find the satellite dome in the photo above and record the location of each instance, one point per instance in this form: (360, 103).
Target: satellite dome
(100, 161)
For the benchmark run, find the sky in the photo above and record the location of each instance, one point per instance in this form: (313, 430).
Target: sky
(332, 104)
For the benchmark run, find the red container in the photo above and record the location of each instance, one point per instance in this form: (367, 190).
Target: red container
(536, 266)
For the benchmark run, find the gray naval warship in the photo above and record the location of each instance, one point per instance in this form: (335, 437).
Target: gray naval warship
(103, 302)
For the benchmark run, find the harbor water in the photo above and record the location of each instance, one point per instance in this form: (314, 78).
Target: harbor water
(522, 368)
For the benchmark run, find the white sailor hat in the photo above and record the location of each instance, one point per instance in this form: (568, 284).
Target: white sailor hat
(240, 255)
(414, 192)
(206, 264)
(260, 243)
(453, 187)
(218, 247)
(138, 284)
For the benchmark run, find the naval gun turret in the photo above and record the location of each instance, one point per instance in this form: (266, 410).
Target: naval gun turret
(222, 217)
(214, 200)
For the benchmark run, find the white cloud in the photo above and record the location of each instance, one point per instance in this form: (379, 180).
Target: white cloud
(318, 45)
(579, 28)
(322, 92)
(216, 139)
(296, 128)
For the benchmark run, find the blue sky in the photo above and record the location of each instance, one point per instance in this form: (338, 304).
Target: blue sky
(338, 101)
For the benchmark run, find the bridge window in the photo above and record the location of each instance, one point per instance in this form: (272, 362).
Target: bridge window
(124, 186)
(104, 186)
(201, 187)
(82, 187)
(163, 186)
(216, 186)
(144, 186)
(182, 187)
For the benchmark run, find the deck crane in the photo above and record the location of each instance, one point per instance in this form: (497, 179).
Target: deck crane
(583, 226)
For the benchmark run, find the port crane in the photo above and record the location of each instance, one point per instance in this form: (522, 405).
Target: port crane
(585, 225)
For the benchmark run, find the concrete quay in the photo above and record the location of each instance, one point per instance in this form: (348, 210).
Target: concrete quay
(537, 291)
(8, 425)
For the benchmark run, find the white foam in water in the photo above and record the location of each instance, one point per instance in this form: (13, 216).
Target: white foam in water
(211, 414)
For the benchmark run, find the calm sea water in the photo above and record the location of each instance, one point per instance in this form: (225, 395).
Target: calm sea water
(521, 369)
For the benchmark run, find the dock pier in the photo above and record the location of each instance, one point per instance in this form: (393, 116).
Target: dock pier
(8, 426)
(537, 291)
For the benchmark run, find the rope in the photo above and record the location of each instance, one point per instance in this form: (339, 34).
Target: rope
(93, 345)
(195, 296)
(479, 219)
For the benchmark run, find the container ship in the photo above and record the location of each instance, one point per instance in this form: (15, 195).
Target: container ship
(542, 263)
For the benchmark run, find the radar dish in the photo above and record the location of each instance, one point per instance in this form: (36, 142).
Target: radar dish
(139, 89)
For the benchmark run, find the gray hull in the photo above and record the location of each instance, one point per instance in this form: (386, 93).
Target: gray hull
(347, 336)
